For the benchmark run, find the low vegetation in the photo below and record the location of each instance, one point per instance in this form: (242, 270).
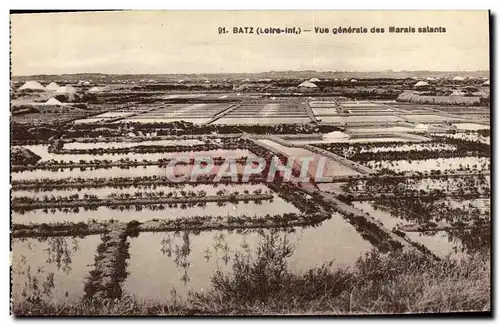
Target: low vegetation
(439, 147)
(140, 199)
(48, 184)
(122, 163)
(23, 156)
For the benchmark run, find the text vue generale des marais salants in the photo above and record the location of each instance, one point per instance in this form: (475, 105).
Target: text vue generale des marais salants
(333, 30)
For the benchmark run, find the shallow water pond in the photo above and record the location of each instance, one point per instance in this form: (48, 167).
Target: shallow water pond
(261, 120)
(471, 126)
(103, 192)
(140, 120)
(54, 269)
(332, 167)
(42, 151)
(440, 243)
(251, 208)
(161, 263)
(353, 140)
(91, 173)
(422, 118)
(106, 145)
(442, 164)
(140, 171)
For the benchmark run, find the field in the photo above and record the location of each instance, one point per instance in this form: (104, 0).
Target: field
(113, 207)
(353, 113)
(275, 112)
(261, 120)
(195, 113)
(422, 118)
(269, 109)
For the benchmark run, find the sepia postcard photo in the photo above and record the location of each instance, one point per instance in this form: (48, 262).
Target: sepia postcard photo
(250, 163)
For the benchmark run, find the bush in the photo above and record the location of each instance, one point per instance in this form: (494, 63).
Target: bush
(397, 282)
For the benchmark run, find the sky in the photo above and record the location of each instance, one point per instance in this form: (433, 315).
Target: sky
(150, 42)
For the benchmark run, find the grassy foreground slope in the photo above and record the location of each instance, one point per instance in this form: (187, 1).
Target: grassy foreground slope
(263, 284)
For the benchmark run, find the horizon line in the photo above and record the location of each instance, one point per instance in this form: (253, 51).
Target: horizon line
(229, 73)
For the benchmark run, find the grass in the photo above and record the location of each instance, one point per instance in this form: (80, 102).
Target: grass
(398, 282)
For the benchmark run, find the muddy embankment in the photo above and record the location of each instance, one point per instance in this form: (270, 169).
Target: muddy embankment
(16, 205)
(198, 223)
(104, 281)
(48, 184)
(217, 161)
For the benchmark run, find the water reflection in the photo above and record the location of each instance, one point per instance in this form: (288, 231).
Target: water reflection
(177, 246)
(222, 246)
(142, 190)
(42, 151)
(399, 212)
(51, 269)
(181, 251)
(185, 261)
(145, 212)
(433, 211)
(471, 240)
